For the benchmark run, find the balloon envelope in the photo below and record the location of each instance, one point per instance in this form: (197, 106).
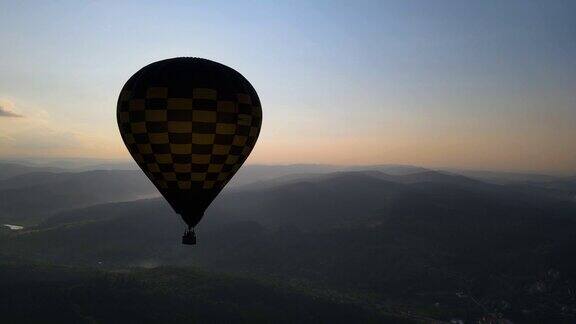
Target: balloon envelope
(189, 123)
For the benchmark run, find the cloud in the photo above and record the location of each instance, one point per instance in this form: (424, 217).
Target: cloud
(7, 113)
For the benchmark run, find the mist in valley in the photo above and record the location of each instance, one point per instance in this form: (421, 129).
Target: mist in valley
(384, 243)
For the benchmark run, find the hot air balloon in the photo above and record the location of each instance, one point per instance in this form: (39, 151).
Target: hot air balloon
(189, 123)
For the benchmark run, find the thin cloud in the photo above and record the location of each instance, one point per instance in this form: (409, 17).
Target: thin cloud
(7, 113)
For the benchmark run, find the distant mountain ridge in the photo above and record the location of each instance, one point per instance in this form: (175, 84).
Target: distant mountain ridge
(44, 184)
(426, 237)
(26, 197)
(8, 170)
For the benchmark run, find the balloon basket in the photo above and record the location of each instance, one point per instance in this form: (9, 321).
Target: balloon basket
(189, 238)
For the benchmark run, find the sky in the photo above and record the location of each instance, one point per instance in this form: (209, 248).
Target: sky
(464, 84)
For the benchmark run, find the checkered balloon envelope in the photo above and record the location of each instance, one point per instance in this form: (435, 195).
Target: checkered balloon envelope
(189, 123)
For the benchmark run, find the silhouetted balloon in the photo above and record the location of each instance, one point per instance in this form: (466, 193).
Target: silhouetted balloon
(189, 123)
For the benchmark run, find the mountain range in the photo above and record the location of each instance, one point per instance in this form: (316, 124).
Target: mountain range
(439, 244)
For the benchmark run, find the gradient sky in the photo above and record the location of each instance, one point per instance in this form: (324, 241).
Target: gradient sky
(467, 84)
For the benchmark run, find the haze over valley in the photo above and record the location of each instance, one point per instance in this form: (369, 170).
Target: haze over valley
(385, 242)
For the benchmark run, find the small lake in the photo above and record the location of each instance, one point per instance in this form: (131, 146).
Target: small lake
(14, 227)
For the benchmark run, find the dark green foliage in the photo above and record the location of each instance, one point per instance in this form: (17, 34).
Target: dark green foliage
(34, 294)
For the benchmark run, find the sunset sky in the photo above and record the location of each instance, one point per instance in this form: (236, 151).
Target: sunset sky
(468, 84)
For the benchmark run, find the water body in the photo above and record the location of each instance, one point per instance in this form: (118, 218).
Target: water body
(14, 227)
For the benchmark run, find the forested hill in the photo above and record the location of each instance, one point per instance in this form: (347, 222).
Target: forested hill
(50, 294)
(435, 244)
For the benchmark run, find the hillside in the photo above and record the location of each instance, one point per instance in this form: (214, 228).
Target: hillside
(10, 169)
(32, 197)
(423, 241)
(35, 294)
